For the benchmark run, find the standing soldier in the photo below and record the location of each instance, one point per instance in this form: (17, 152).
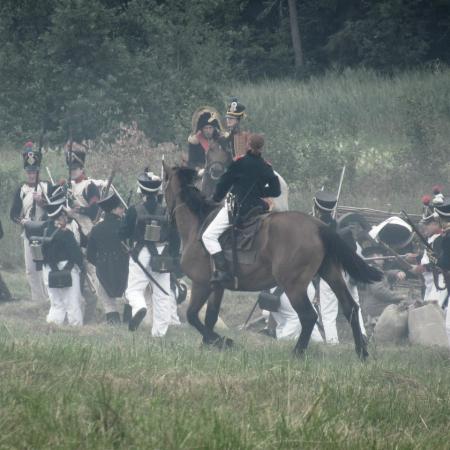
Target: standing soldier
(443, 260)
(432, 230)
(84, 210)
(106, 252)
(27, 205)
(237, 139)
(63, 263)
(323, 208)
(155, 247)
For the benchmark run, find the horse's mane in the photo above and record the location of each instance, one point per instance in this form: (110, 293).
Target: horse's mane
(195, 200)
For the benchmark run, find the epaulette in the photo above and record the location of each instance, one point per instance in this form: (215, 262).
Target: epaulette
(193, 139)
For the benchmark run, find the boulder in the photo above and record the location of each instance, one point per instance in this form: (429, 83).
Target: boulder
(392, 325)
(426, 326)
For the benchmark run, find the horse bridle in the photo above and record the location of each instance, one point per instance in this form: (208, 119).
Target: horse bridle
(214, 168)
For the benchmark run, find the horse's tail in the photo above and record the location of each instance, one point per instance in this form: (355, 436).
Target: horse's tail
(338, 250)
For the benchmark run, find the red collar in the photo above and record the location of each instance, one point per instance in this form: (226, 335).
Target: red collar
(203, 141)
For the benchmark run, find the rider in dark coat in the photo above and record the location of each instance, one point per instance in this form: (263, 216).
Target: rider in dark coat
(250, 179)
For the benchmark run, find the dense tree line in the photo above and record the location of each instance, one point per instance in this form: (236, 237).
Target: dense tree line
(85, 65)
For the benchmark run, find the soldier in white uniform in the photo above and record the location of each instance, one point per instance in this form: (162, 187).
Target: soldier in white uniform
(432, 230)
(324, 205)
(63, 263)
(27, 205)
(288, 324)
(155, 244)
(85, 194)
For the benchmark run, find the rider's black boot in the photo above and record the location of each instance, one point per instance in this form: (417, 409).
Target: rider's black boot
(221, 273)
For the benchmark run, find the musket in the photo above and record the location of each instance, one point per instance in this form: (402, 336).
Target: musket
(416, 230)
(402, 263)
(50, 175)
(341, 181)
(383, 258)
(109, 182)
(36, 183)
(69, 179)
(125, 204)
(243, 327)
(141, 266)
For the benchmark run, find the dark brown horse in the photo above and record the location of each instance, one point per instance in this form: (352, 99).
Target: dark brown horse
(292, 248)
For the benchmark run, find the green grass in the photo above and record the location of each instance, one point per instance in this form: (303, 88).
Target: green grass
(100, 387)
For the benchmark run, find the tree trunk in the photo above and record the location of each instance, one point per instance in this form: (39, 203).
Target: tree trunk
(295, 34)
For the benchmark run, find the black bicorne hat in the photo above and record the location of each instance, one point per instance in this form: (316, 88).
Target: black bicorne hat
(31, 158)
(207, 118)
(149, 182)
(235, 109)
(110, 202)
(56, 202)
(75, 158)
(325, 201)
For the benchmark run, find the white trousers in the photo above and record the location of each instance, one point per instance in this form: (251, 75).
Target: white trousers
(109, 303)
(34, 277)
(431, 293)
(214, 230)
(447, 323)
(288, 323)
(65, 301)
(164, 306)
(329, 309)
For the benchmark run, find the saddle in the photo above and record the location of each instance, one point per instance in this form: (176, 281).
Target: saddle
(245, 232)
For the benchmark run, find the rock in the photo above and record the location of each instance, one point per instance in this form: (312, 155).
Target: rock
(392, 325)
(426, 326)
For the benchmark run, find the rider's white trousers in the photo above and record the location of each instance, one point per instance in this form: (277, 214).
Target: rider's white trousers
(214, 230)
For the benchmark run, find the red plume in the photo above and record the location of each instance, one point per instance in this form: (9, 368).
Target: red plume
(426, 199)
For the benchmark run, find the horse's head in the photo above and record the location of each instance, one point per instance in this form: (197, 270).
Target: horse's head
(175, 179)
(217, 161)
(179, 182)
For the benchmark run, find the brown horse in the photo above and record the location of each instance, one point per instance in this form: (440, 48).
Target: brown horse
(292, 248)
(217, 161)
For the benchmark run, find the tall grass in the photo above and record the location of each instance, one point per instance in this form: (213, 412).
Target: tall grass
(392, 133)
(107, 388)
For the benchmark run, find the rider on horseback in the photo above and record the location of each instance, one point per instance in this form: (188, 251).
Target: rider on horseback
(250, 179)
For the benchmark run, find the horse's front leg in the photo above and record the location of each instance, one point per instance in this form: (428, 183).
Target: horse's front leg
(212, 314)
(199, 295)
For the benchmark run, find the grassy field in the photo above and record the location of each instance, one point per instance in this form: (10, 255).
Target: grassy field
(102, 387)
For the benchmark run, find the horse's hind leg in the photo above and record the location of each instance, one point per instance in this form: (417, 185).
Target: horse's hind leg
(199, 295)
(297, 294)
(331, 273)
